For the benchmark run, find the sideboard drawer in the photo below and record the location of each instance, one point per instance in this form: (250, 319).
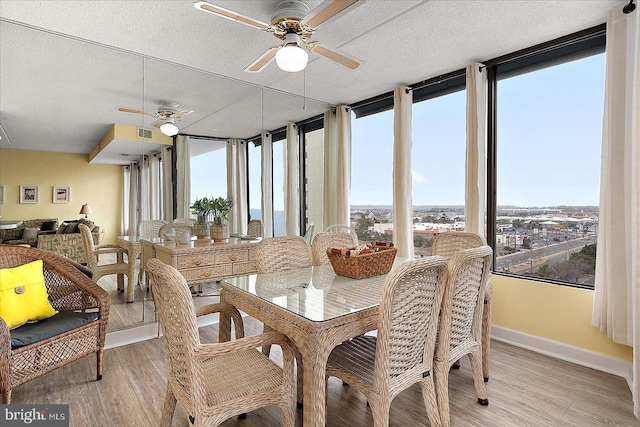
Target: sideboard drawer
(232, 256)
(212, 273)
(196, 260)
(241, 268)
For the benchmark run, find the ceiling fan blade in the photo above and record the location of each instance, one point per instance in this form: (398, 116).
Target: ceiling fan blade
(229, 14)
(263, 60)
(335, 55)
(129, 110)
(181, 113)
(159, 123)
(327, 10)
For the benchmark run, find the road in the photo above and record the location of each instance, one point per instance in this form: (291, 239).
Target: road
(530, 259)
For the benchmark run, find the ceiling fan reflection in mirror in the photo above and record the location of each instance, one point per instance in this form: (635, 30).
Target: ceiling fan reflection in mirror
(168, 113)
(294, 25)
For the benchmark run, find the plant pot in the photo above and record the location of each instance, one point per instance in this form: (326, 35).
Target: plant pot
(219, 230)
(201, 230)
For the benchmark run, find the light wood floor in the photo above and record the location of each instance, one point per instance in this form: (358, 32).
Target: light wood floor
(525, 389)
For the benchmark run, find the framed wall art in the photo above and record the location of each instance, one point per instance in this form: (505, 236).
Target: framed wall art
(28, 194)
(61, 194)
(1, 194)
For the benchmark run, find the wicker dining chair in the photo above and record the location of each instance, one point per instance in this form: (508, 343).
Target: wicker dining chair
(402, 353)
(310, 232)
(254, 228)
(447, 244)
(148, 229)
(214, 382)
(323, 241)
(283, 253)
(460, 331)
(173, 229)
(83, 310)
(120, 267)
(342, 228)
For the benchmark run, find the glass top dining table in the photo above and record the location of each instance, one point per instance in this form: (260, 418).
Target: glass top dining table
(316, 309)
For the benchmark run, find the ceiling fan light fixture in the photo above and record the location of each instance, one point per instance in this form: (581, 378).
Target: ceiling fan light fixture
(169, 128)
(291, 57)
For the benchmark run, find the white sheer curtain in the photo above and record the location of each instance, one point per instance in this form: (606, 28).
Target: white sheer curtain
(330, 212)
(155, 189)
(266, 153)
(292, 182)
(126, 182)
(149, 188)
(183, 177)
(134, 197)
(237, 185)
(167, 184)
(476, 161)
(343, 169)
(616, 307)
(402, 201)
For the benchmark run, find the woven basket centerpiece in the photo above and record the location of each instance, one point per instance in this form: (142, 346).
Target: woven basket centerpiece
(363, 260)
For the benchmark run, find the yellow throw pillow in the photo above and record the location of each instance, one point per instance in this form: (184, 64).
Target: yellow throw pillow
(23, 295)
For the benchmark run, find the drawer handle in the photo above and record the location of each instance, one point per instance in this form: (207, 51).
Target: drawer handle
(207, 274)
(233, 257)
(198, 262)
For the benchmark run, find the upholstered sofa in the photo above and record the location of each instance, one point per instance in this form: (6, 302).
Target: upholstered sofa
(28, 232)
(67, 240)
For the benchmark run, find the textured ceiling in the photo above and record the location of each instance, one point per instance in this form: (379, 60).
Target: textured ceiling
(66, 66)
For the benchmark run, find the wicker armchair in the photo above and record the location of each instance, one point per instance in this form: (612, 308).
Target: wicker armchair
(213, 382)
(93, 253)
(71, 293)
(402, 354)
(255, 228)
(446, 245)
(323, 241)
(460, 331)
(342, 228)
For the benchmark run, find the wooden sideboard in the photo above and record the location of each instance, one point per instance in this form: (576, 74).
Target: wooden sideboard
(204, 261)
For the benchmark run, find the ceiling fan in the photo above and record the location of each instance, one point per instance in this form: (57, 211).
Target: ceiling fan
(168, 113)
(294, 25)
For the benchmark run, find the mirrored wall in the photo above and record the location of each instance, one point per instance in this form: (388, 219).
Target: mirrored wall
(61, 95)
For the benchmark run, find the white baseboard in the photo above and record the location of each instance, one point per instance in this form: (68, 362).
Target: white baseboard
(569, 353)
(146, 331)
(132, 335)
(577, 355)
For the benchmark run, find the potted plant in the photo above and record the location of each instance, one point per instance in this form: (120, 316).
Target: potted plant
(203, 209)
(220, 209)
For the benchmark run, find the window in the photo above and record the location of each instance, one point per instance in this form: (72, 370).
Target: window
(254, 168)
(208, 168)
(371, 176)
(549, 133)
(278, 188)
(438, 168)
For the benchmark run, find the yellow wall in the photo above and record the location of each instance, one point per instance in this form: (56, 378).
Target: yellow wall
(558, 313)
(98, 185)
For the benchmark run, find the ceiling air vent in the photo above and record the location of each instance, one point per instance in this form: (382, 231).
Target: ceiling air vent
(145, 133)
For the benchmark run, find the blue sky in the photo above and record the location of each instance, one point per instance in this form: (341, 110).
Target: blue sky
(549, 138)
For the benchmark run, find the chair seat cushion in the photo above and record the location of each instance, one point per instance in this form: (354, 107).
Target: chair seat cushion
(62, 322)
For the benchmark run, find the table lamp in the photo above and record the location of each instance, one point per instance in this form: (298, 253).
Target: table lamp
(85, 209)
